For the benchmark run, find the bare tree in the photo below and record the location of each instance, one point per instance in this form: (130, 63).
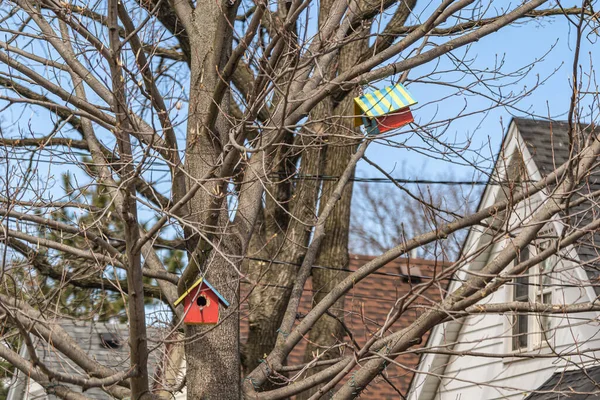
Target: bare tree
(198, 137)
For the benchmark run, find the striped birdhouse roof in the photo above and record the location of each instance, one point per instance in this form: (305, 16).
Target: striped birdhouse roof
(382, 102)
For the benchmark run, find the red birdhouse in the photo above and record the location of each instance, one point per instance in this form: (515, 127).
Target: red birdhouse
(201, 304)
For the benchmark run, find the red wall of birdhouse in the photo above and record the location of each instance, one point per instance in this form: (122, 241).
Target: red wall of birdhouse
(196, 315)
(395, 120)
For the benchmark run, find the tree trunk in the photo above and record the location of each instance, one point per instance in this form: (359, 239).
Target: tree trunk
(138, 342)
(283, 241)
(333, 255)
(212, 353)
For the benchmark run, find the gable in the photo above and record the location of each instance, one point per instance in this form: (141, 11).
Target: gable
(548, 145)
(524, 156)
(192, 289)
(424, 386)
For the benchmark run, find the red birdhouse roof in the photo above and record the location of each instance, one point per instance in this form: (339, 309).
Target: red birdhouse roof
(198, 282)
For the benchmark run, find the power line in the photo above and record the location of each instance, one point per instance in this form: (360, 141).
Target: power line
(303, 177)
(278, 262)
(388, 180)
(405, 277)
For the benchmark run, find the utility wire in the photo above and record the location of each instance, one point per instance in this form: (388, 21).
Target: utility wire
(302, 177)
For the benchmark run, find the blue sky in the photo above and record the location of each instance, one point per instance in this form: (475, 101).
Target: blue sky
(547, 46)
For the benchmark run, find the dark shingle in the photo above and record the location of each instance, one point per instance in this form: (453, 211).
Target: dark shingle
(88, 336)
(548, 143)
(573, 385)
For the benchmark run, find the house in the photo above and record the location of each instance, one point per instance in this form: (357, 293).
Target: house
(366, 309)
(104, 342)
(523, 355)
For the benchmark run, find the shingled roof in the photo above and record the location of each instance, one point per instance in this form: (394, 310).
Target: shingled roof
(366, 309)
(580, 384)
(104, 342)
(548, 143)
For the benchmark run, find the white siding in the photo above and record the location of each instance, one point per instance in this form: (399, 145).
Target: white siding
(469, 377)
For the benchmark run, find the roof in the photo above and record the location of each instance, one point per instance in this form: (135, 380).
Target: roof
(199, 281)
(381, 102)
(548, 143)
(89, 337)
(366, 309)
(570, 385)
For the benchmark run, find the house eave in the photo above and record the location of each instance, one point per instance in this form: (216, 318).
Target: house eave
(427, 387)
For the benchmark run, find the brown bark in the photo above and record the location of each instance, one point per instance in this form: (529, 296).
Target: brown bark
(334, 252)
(212, 355)
(328, 331)
(138, 341)
(283, 240)
(286, 241)
(282, 235)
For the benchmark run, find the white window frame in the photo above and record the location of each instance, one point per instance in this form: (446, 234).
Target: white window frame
(537, 337)
(543, 291)
(514, 317)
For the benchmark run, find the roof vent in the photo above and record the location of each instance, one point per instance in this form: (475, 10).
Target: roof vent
(411, 274)
(110, 340)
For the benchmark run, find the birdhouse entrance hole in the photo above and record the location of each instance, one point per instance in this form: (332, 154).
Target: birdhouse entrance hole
(202, 301)
(201, 304)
